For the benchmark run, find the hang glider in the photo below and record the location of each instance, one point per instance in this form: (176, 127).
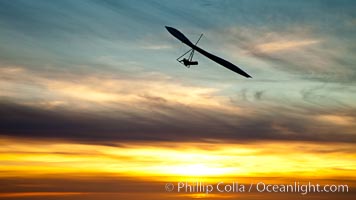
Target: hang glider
(189, 61)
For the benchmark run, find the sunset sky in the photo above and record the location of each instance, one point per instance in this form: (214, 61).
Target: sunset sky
(93, 104)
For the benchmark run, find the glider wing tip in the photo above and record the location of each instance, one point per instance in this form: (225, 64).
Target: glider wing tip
(246, 75)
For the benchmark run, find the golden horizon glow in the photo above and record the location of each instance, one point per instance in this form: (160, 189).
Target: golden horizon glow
(268, 159)
(38, 194)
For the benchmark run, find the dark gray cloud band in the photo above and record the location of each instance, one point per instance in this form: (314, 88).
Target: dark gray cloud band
(181, 124)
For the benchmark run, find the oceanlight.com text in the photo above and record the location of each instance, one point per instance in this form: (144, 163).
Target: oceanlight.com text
(235, 187)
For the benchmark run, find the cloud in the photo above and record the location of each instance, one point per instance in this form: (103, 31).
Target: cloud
(166, 122)
(298, 50)
(108, 108)
(283, 45)
(157, 47)
(338, 120)
(103, 89)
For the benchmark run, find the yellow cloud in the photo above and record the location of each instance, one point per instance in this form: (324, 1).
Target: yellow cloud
(90, 91)
(82, 92)
(284, 45)
(337, 119)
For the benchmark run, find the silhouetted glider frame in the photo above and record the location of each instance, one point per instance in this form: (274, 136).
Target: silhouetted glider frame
(187, 62)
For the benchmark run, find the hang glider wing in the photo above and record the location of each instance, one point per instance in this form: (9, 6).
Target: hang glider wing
(180, 36)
